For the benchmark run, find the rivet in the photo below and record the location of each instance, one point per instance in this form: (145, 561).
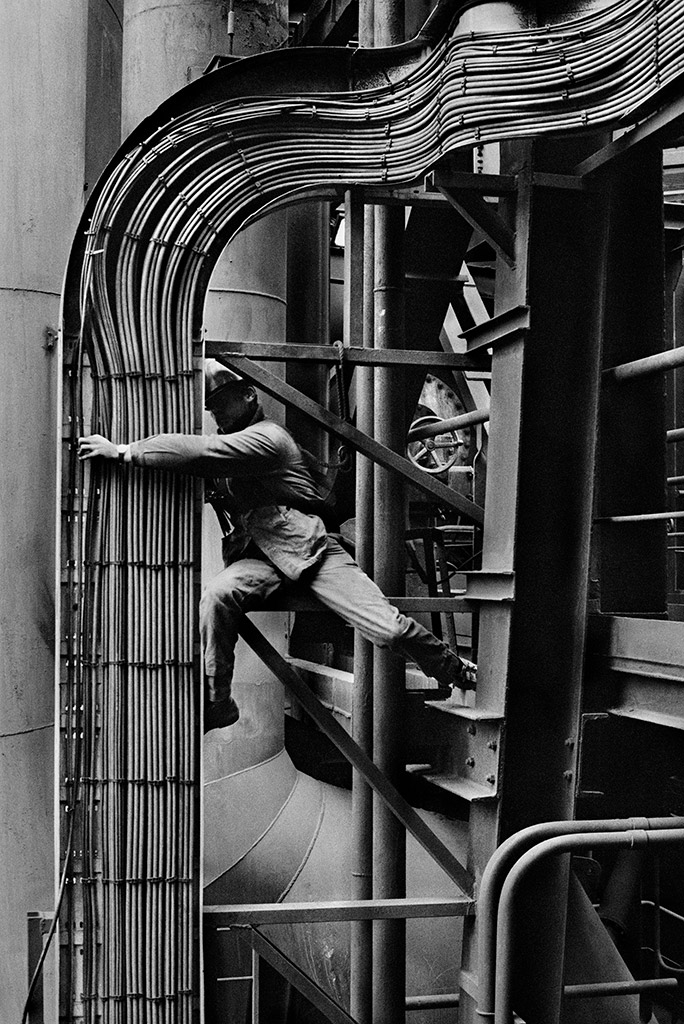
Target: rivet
(491, 779)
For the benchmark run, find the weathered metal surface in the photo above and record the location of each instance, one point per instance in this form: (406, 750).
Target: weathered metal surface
(169, 44)
(648, 647)
(337, 910)
(503, 328)
(630, 557)
(660, 362)
(354, 356)
(666, 121)
(44, 75)
(480, 215)
(146, 231)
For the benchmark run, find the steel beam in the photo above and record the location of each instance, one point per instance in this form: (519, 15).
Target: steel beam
(480, 214)
(354, 355)
(326, 23)
(487, 184)
(504, 184)
(629, 552)
(542, 432)
(379, 453)
(665, 124)
(506, 327)
(644, 647)
(297, 978)
(222, 917)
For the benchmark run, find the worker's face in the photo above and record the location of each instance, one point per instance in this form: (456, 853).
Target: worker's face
(233, 408)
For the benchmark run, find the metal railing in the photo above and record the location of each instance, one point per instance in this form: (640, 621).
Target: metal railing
(508, 868)
(246, 918)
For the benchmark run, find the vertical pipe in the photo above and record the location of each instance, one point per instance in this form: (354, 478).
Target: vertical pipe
(389, 847)
(359, 297)
(308, 313)
(389, 840)
(361, 1001)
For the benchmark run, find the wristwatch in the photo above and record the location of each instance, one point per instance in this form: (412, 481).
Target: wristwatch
(122, 449)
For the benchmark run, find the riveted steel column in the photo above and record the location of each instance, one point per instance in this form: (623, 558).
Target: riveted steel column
(553, 379)
(389, 841)
(630, 562)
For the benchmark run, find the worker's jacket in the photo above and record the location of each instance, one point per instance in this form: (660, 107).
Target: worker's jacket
(263, 482)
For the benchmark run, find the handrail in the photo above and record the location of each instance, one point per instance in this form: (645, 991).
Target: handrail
(659, 362)
(634, 838)
(247, 916)
(501, 863)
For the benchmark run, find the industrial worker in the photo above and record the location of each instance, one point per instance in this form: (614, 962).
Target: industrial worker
(272, 515)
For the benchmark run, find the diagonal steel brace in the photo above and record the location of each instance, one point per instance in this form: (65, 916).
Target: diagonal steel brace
(297, 978)
(372, 449)
(400, 807)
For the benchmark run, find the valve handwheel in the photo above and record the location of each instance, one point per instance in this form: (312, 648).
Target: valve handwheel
(433, 454)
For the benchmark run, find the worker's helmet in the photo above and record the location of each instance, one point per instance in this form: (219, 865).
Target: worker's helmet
(217, 378)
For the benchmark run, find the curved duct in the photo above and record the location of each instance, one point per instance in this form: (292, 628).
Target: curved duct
(292, 845)
(246, 139)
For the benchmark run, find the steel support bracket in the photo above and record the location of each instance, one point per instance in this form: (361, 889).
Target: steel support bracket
(504, 329)
(657, 129)
(222, 918)
(472, 751)
(490, 586)
(574, 182)
(297, 978)
(483, 216)
(486, 184)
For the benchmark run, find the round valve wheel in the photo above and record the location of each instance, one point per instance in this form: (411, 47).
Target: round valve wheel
(433, 454)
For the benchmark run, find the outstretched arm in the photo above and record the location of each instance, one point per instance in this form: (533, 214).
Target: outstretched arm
(95, 445)
(261, 445)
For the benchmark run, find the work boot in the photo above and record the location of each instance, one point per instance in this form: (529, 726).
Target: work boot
(219, 714)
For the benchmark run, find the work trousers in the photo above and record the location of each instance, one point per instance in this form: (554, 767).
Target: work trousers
(340, 585)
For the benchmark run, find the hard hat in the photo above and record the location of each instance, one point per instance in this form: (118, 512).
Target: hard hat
(216, 378)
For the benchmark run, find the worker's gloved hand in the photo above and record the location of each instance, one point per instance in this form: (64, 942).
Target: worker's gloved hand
(469, 677)
(96, 445)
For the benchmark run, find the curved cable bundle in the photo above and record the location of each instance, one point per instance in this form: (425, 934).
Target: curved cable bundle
(163, 213)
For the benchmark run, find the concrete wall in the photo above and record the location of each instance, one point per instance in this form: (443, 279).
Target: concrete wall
(60, 67)
(42, 57)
